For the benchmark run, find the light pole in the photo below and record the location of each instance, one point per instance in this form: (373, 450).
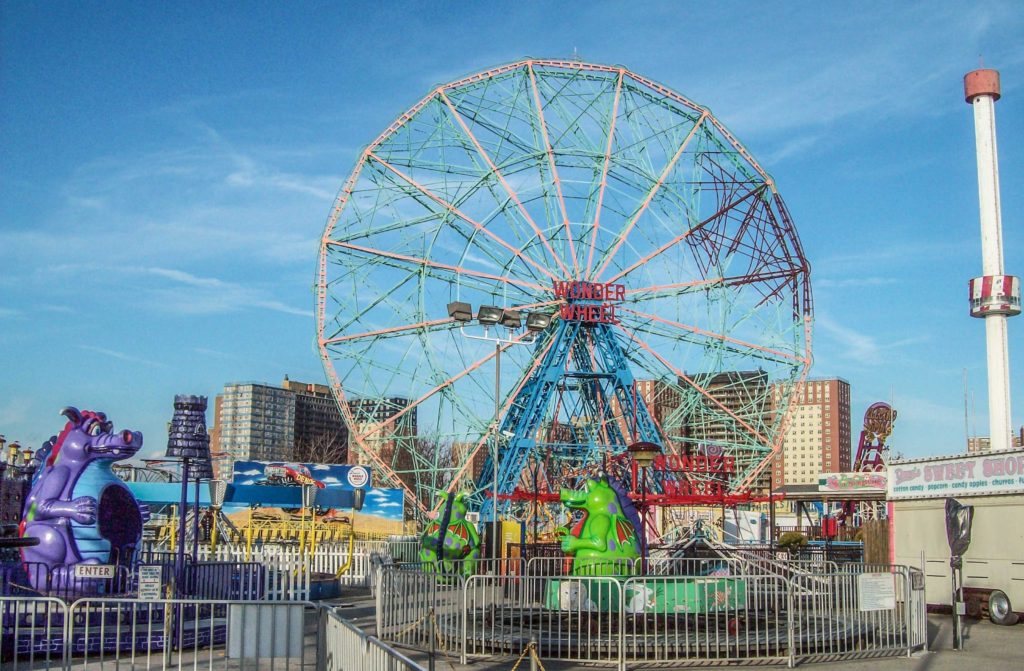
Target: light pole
(495, 530)
(218, 489)
(487, 316)
(643, 454)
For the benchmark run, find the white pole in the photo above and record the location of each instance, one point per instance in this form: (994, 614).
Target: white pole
(497, 425)
(981, 89)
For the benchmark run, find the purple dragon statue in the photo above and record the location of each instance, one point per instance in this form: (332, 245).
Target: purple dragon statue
(78, 509)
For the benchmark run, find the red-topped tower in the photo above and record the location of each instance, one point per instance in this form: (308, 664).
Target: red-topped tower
(995, 295)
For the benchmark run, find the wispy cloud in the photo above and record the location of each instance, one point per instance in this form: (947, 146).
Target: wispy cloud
(861, 348)
(9, 312)
(206, 295)
(852, 282)
(14, 411)
(121, 355)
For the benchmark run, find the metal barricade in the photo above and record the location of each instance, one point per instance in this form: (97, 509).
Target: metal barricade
(194, 633)
(856, 613)
(699, 620)
(32, 632)
(411, 605)
(346, 648)
(569, 618)
(223, 580)
(684, 612)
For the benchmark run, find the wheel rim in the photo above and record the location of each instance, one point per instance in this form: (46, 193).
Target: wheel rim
(999, 605)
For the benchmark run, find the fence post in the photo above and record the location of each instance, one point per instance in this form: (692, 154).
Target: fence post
(465, 582)
(378, 590)
(790, 623)
(431, 635)
(622, 623)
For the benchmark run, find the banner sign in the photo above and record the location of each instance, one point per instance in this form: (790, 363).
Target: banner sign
(290, 474)
(977, 475)
(852, 482)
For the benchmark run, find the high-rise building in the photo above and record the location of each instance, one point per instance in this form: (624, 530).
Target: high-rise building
(983, 444)
(392, 440)
(745, 395)
(320, 432)
(660, 399)
(818, 437)
(255, 421)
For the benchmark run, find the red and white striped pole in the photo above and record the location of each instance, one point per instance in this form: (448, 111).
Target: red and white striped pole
(996, 295)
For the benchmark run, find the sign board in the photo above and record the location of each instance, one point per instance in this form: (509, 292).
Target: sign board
(358, 476)
(94, 571)
(590, 302)
(942, 477)
(151, 585)
(852, 482)
(876, 591)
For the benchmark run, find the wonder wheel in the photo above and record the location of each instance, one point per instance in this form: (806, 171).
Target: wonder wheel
(663, 287)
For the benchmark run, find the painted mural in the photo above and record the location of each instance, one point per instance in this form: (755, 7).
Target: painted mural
(274, 487)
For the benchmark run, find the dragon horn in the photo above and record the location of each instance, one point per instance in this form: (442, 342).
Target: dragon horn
(72, 414)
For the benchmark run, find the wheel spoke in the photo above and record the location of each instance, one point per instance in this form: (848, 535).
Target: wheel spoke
(508, 188)
(610, 255)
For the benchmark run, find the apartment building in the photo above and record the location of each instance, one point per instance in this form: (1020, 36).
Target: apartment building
(818, 437)
(255, 421)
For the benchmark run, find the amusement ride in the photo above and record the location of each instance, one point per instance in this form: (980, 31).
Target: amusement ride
(542, 264)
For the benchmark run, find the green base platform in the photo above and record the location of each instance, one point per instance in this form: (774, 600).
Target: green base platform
(673, 595)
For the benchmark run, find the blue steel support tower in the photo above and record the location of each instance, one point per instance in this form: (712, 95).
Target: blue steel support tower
(583, 382)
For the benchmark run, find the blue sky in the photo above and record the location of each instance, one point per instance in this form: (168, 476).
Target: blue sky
(166, 172)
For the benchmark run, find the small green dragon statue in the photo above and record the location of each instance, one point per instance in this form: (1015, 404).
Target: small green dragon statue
(604, 541)
(450, 544)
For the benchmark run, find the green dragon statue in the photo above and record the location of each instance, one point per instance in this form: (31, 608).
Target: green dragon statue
(450, 544)
(604, 541)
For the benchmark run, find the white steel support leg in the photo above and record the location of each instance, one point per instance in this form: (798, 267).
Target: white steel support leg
(998, 352)
(982, 93)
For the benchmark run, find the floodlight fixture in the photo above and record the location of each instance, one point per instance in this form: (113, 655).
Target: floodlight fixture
(489, 315)
(218, 491)
(309, 495)
(538, 321)
(460, 312)
(644, 452)
(511, 319)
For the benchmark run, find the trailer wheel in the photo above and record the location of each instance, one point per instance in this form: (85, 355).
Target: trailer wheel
(999, 609)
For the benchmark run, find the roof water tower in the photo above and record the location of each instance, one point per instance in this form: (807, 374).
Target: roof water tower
(995, 295)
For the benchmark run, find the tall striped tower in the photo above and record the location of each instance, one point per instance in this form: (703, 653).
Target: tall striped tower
(995, 295)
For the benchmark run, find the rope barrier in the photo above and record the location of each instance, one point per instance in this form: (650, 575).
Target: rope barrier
(530, 648)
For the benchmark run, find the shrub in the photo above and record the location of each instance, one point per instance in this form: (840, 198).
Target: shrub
(792, 541)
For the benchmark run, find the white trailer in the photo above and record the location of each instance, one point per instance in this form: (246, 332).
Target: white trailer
(993, 567)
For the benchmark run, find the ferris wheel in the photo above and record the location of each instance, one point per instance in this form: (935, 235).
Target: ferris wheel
(664, 289)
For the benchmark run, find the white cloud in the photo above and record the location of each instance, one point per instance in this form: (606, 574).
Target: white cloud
(852, 282)
(859, 347)
(14, 411)
(121, 355)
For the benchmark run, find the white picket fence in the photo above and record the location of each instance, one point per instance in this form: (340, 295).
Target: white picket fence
(291, 568)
